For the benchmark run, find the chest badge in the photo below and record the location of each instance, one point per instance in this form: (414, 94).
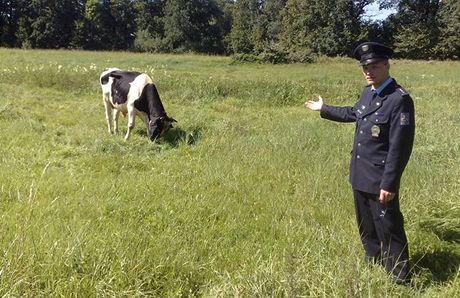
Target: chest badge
(375, 130)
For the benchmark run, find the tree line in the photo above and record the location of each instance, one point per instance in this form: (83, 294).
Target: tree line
(265, 30)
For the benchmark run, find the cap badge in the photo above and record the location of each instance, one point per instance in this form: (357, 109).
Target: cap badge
(365, 48)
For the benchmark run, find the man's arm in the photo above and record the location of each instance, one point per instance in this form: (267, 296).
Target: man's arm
(340, 114)
(402, 131)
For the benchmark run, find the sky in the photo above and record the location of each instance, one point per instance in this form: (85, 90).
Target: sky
(373, 12)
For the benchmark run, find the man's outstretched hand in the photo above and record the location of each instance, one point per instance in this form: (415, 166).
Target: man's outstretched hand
(314, 105)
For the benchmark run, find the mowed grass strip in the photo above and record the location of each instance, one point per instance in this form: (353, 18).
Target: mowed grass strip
(246, 196)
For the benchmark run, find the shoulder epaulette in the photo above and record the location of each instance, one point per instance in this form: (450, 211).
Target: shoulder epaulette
(403, 92)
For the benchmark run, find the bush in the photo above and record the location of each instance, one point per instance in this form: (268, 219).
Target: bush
(144, 42)
(243, 57)
(276, 54)
(301, 56)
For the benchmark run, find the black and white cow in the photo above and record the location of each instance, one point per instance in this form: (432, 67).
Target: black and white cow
(133, 93)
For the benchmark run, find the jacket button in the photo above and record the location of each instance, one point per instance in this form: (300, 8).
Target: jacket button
(358, 157)
(361, 131)
(365, 119)
(359, 144)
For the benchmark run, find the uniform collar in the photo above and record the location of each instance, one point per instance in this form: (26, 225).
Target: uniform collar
(380, 89)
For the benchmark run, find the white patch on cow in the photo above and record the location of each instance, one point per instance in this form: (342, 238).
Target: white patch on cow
(106, 99)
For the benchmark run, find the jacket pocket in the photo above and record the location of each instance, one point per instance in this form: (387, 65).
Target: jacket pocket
(379, 162)
(379, 127)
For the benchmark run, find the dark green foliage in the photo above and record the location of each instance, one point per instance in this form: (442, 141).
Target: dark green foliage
(191, 25)
(448, 18)
(8, 20)
(324, 27)
(421, 29)
(149, 23)
(106, 25)
(244, 19)
(416, 28)
(274, 31)
(45, 23)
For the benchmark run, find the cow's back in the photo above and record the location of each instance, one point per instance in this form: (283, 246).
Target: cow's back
(121, 84)
(105, 75)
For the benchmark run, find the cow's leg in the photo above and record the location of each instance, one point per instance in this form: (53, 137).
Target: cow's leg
(116, 114)
(131, 118)
(108, 112)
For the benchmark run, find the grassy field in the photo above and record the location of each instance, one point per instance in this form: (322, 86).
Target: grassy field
(246, 197)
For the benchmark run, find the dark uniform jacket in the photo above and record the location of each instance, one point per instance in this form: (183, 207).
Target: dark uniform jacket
(384, 135)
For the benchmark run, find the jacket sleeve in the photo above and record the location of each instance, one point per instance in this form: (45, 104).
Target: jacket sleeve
(339, 114)
(401, 139)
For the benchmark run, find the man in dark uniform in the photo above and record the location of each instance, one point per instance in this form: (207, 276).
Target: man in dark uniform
(384, 135)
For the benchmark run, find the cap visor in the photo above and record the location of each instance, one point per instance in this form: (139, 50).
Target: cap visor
(370, 61)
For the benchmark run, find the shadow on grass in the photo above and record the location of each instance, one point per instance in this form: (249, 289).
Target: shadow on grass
(443, 265)
(449, 235)
(442, 229)
(175, 136)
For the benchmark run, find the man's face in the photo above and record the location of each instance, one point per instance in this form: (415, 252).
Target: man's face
(376, 73)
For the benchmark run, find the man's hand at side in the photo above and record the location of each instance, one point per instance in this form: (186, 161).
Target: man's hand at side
(386, 196)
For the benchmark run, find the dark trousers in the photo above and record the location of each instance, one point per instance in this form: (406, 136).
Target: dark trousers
(381, 228)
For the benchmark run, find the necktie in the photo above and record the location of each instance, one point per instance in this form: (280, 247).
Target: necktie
(374, 94)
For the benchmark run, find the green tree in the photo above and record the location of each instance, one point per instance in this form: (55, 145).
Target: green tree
(106, 25)
(192, 25)
(8, 21)
(448, 18)
(420, 29)
(295, 21)
(338, 30)
(149, 14)
(325, 27)
(150, 27)
(123, 23)
(66, 12)
(245, 14)
(82, 34)
(224, 22)
(46, 23)
(268, 25)
(415, 28)
(93, 29)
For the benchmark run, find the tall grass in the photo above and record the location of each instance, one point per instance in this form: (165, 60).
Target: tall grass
(247, 196)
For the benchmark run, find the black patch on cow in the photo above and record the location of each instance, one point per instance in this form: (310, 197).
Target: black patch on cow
(105, 79)
(121, 84)
(149, 102)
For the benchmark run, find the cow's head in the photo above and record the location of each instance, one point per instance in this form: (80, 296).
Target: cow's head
(159, 125)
